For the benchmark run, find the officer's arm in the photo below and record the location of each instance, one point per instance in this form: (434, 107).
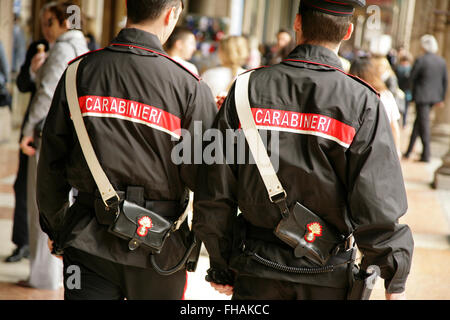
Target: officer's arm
(377, 200)
(52, 186)
(198, 118)
(215, 204)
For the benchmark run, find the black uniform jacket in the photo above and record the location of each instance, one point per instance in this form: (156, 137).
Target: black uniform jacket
(336, 157)
(136, 102)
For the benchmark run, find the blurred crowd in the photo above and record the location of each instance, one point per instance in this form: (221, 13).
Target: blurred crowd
(395, 74)
(203, 48)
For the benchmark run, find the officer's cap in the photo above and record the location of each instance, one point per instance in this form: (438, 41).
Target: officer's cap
(334, 7)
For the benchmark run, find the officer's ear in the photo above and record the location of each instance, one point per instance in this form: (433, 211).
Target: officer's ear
(349, 34)
(298, 28)
(298, 23)
(172, 15)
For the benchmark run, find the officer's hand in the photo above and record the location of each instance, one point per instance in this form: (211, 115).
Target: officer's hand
(396, 296)
(50, 246)
(26, 146)
(227, 290)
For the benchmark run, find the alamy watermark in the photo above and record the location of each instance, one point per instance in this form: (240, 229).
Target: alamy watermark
(373, 19)
(73, 278)
(74, 19)
(220, 147)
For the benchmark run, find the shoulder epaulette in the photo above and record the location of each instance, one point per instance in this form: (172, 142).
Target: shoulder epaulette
(162, 55)
(246, 71)
(342, 71)
(83, 55)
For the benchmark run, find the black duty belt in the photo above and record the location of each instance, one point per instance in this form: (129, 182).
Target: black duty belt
(267, 235)
(164, 208)
(262, 234)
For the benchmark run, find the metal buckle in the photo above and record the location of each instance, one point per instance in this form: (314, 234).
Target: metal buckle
(349, 243)
(113, 203)
(280, 201)
(276, 199)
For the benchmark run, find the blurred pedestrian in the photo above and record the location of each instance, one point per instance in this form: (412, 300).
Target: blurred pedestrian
(35, 58)
(276, 53)
(429, 80)
(403, 72)
(366, 69)
(88, 24)
(19, 45)
(233, 54)
(387, 74)
(181, 47)
(46, 270)
(5, 96)
(346, 64)
(254, 59)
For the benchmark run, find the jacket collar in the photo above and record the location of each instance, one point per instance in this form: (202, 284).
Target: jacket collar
(138, 39)
(142, 43)
(71, 35)
(314, 55)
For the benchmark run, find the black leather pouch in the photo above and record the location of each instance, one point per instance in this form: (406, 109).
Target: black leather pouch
(309, 235)
(141, 226)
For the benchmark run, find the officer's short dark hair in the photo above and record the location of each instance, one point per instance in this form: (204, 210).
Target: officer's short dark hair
(148, 10)
(319, 27)
(179, 33)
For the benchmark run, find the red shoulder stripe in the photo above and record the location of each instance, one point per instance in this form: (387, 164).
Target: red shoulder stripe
(254, 69)
(348, 74)
(83, 55)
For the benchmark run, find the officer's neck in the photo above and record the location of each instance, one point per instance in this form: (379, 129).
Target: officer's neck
(331, 46)
(157, 30)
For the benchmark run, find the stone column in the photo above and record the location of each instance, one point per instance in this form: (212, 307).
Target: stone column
(94, 10)
(6, 27)
(442, 175)
(6, 38)
(253, 23)
(210, 8)
(424, 13)
(441, 129)
(114, 13)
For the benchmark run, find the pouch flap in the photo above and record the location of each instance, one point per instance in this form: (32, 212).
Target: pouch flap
(145, 220)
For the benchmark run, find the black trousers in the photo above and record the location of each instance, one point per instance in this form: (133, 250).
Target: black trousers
(250, 288)
(20, 225)
(101, 279)
(422, 129)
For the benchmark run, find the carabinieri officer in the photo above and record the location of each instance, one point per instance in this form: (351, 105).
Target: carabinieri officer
(336, 157)
(135, 102)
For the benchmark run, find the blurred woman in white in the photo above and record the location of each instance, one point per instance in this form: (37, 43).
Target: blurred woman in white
(233, 54)
(46, 271)
(368, 70)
